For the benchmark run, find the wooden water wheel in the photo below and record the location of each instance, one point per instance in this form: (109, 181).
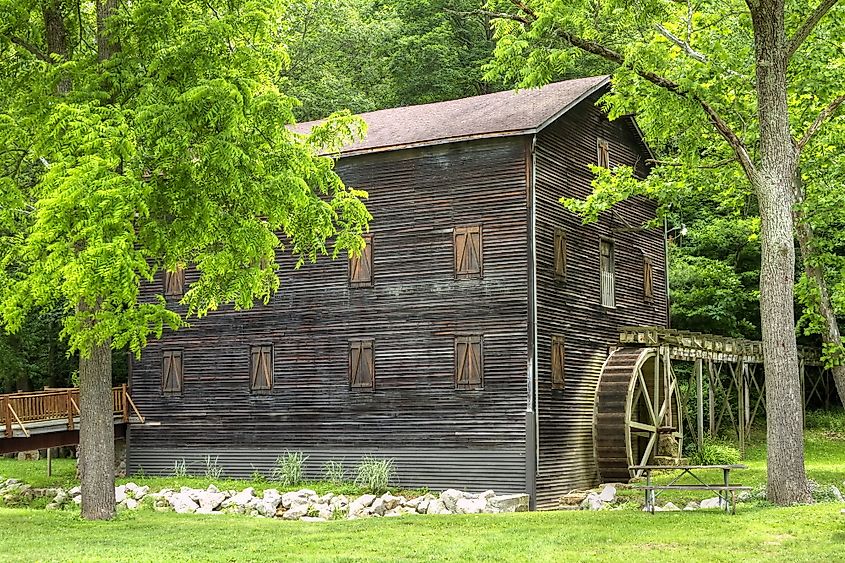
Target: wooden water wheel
(638, 414)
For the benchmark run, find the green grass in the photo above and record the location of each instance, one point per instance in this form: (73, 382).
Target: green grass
(809, 533)
(756, 533)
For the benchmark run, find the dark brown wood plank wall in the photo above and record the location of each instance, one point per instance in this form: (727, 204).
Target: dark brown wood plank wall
(438, 434)
(572, 307)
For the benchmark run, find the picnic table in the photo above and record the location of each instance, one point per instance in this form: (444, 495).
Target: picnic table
(723, 490)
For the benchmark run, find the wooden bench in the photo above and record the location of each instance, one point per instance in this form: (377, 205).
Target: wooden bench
(723, 490)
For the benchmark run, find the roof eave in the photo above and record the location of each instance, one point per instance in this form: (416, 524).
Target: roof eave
(434, 142)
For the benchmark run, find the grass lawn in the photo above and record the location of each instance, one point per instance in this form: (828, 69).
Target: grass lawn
(756, 533)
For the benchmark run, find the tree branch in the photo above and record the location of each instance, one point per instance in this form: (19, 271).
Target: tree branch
(38, 53)
(682, 44)
(804, 31)
(825, 114)
(708, 166)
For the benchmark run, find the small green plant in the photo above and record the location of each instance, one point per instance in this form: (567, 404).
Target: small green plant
(140, 473)
(375, 474)
(825, 420)
(289, 469)
(213, 470)
(257, 476)
(180, 468)
(714, 452)
(334, 472)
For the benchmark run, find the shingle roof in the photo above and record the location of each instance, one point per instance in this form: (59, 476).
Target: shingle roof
(490, 115)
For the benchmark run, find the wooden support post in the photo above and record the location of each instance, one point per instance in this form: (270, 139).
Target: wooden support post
(69, 403)
(699, 385)
(711, 398)
(746, 400)
(802, 367)
(125, 403)
(7, 416)
(655, 397)
(739, 375)
(49, 462)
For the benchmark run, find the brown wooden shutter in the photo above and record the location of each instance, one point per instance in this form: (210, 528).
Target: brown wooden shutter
(171, 371)
(261, 368)
(469, 362)
(361, 266)
(361, 364)
(174, 283)
(603, 153)
(468, 251)
(558, 362)
(608, 281)
(560, 254)
(648, 279)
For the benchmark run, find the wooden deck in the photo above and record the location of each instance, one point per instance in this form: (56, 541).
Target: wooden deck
(50, 417)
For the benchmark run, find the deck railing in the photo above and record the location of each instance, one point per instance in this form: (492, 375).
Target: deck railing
(20, 409)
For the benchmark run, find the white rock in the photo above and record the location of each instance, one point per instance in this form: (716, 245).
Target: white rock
(509, 503)
(209, 500)
(119, 494)
(714, 502)
(324, 510)
(422, 506)
(592, 502)
(296, 512)
(436, 506)
(359, 504)
(325, 499)
(608, 493)
(378, 508)
(295, 498)
(131, 503)
(692, 505)
(670, 507)
(272, 497)
(837, 494)
(390, 501)
(450, 498)
(241, 499)
(212, 489)
(263, 508)
(75, 492)
(470, 506)
(182, 503)
(141, 492)
(486, 495)
(412, 503)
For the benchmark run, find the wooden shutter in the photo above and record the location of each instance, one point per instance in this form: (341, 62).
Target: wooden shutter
(560, 254)
(468, 252)
(261, 368)
(171, 371)
(648, 279)
(361, 266)
(174, 283)
(469, 362)
(603, 148)
(558, 357)
(608, 282)
(361, 364)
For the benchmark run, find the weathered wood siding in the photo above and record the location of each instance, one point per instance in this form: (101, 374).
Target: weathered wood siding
(572, 307)
(439, 436)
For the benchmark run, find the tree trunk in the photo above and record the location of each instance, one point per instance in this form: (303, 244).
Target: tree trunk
(96, 434)
(815, 273)
(106, 47)
(787, 479)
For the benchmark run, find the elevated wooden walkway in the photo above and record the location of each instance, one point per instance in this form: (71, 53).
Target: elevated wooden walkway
(50, 418)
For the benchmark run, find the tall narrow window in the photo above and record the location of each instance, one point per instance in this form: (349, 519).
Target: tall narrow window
(608, 283)
(603, 148)
(361, 266)
(174, 283)
(468, 252)
(171, 372)
(261, 368)
(469, 362)
(560, 254)
(648, 279)
(362, 370)
(558, 357)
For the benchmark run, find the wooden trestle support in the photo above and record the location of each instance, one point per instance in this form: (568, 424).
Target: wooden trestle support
(646, 382)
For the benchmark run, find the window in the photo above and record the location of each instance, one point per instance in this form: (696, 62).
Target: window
(171, 372)
(469, 362)
(361, 364)
(603, 148)
(174, 283)
(558, 357)
(361, 266)
(261, 368)
(608, 283)
(468, 252)
(648, 279)
(560, 254)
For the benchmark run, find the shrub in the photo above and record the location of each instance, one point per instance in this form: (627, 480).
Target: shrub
(213, 470)
(828, 421)
(334, 472)
(180, 468)
(289, 468)
(714, 452)
(375, 474)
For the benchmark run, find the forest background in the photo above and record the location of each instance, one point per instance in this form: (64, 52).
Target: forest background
(364, 55)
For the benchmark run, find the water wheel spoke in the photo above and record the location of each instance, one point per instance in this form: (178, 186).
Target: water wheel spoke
(647, 452)
(650, 428)
(644, 390)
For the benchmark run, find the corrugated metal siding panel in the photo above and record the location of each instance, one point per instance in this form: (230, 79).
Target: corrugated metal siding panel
(573, 307)
(413, 312)
(467, 469)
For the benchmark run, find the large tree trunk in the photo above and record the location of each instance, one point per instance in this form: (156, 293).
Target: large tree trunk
(96, 434)
(787, 479)
(815, 273)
